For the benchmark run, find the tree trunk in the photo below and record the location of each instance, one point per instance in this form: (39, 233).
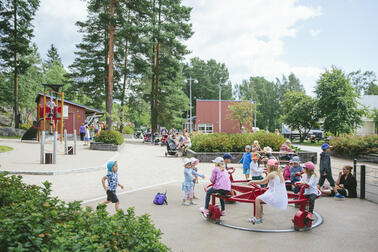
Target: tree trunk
(109, 97)
(124, 87)
(15, 108)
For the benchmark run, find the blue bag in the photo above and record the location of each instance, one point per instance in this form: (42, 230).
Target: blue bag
(160, 199)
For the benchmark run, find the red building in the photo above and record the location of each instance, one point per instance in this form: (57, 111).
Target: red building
(207, 117)
(74, 114)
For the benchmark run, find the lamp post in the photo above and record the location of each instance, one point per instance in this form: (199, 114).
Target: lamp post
(190, 97)
(220, 111)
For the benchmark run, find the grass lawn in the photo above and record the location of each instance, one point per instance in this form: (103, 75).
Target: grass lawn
(4, 148)
(10, 137)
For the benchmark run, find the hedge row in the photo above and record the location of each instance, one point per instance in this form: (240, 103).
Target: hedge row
(221, 142)
(110, 137)
(355, 145)
(32, 220)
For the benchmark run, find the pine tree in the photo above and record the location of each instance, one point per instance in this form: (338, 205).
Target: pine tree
(52, 56)
(16, 32)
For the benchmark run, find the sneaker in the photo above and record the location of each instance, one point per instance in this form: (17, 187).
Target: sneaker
(223, 213)
(254, 220)
(339, 196)
(204, 211)
(193, 203)
(185, 203)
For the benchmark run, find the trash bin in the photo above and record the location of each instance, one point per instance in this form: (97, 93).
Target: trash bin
(70, 150)
(48, 158)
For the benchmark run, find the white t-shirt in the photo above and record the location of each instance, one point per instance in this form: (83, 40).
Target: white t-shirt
(312, 182)
(255, 170)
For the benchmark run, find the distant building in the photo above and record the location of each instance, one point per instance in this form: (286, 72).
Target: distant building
(207, 117)
(368, 126)
(74, 114)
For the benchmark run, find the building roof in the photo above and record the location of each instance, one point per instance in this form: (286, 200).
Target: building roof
(370, 101)
(72, 103)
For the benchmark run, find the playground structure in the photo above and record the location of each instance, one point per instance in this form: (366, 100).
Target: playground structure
(248, 194)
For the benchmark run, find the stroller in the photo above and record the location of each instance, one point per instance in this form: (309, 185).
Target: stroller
(155, 138)
(147, 138)
(164, 140)
(138, 134)
(171, 148)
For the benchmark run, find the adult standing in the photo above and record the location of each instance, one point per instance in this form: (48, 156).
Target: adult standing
(82, 132)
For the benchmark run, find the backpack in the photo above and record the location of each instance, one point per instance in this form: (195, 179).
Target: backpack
(160, 199)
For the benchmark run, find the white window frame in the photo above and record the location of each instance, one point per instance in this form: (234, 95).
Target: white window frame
(206, 127)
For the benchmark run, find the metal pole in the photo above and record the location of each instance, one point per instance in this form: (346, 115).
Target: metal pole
(55, 143)
(355, 167)
(43, 147)
(74, 150)
(362, 182)
(61, 114)
(220, 112)
(255, 114)
(65, 142)
(190, 91)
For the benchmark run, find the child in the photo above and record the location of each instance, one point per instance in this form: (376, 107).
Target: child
(194, 163)
(222, 185)
(188, 185)
(246, 160)
(311, 191)
(112, 177)
(295, 171)
(256, 147)
(86, 137)
(275, 196)
(286, 175)
(325, 168)
(256, 172)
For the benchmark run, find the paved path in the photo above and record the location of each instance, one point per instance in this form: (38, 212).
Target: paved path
(349, 225)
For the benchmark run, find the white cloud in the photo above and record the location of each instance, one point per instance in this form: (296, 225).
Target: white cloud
(314, 33)
(55, 24)
(247, 35)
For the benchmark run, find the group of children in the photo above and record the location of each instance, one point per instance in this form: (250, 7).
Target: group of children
(294, 175)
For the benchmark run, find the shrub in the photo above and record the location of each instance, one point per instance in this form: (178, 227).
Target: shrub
(110, 137)
(32, 220)
(25, 126)
(128, 130)
(222, 142)
(355, 145)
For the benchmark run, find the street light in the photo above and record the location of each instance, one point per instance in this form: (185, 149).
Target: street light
(190, 97)
(220, 112)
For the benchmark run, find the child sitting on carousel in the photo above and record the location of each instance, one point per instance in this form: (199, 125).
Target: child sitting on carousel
(275, 196)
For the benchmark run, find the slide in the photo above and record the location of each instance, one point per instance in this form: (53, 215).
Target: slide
(31, 133)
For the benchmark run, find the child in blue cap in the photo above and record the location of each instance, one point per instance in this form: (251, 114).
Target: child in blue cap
(325, 169)
(112, 177)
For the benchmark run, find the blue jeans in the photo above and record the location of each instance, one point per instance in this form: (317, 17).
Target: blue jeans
(211, 191)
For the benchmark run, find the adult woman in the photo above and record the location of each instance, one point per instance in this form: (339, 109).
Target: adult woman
(346, 184)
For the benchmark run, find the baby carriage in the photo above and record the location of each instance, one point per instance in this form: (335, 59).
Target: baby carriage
(164, 140)
(171, 148)
(147, 138)
(156, 138)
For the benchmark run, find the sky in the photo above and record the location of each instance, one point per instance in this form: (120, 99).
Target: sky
(252, 37)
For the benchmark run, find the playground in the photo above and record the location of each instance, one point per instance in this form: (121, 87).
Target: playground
(144, 170)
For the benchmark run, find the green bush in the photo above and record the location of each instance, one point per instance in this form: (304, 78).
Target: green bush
(128, 130)
(222, 142)
(25, 126)
(110, 137)
(32, 220)
(355, 145)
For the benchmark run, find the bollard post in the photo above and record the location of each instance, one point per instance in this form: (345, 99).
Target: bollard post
(55, 143)
(65, 142)
(355, 167)
(362, 182)
(43, 147)
(74, 142)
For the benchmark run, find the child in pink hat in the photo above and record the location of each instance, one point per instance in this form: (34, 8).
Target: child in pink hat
(309, 180)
